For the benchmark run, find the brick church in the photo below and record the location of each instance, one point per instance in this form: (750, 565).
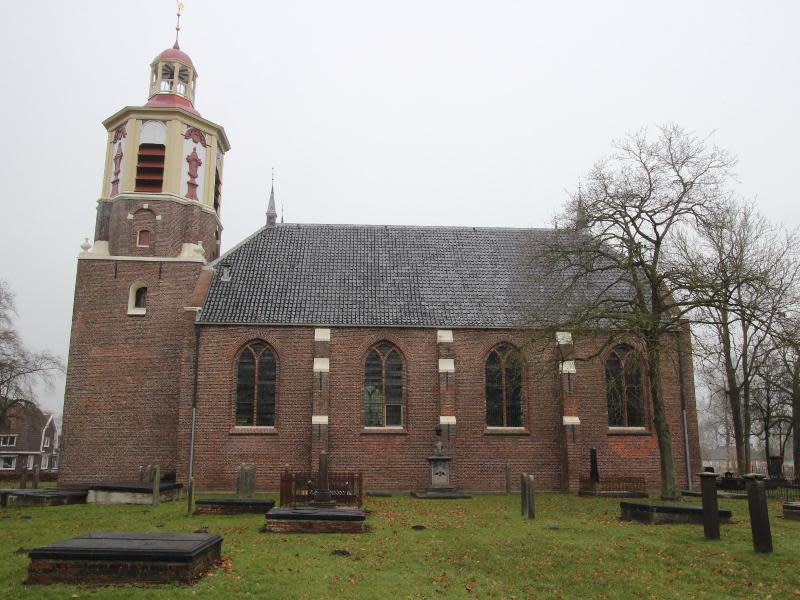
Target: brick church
(371, 342)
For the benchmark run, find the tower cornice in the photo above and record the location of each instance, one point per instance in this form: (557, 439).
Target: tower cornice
(167, 113)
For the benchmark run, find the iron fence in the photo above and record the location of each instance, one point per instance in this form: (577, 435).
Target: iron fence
(345, 488)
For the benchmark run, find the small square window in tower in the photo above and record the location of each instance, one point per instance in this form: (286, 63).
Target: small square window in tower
(143, 238)
(150, 168)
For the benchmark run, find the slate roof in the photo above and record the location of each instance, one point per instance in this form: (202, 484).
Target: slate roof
(380, 275)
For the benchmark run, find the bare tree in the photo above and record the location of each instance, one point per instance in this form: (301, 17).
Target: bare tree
(741, 272)
(787, 337)
(771, 408)
(21, 370)
(617, 273)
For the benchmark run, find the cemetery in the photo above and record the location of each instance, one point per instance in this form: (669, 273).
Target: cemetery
(571, 546)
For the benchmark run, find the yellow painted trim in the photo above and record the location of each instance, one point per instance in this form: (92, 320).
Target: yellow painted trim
(166, 114)
(105, 190)
(134, 130)
(172, 162)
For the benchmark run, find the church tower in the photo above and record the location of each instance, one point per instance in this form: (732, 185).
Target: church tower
(139, 285)
(162, 184)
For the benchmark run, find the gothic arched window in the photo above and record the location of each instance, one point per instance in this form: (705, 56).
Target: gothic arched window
(504, 387)
(383, 387)
(624, 388)
(256, 374)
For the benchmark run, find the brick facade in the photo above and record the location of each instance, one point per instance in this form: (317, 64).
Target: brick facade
(123, 382)
(396, 460)
(133, 379)
(171, 223)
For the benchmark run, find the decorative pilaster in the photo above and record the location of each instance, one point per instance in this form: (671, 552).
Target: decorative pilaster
(570, 419)
(321, 394)
(447, 383)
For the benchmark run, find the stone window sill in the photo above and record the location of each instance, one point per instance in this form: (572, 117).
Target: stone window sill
(384, 431)
(506, 431)
(628, 431)
(137, 312)
(253, 431)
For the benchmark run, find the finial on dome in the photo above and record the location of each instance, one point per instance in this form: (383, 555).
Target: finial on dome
(178, 25)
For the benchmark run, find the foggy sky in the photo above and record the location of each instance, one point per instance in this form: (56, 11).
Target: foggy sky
(414, 112)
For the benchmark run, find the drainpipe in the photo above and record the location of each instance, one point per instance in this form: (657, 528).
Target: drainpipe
(194, 400)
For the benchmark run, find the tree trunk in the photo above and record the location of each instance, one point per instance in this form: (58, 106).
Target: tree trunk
(796, 418)
(669, 488)
(732, 392)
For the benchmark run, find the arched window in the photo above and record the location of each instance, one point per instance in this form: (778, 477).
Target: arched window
(383, 387)
(256, 375)
(137, 299)
(504, 387)
(624, 388)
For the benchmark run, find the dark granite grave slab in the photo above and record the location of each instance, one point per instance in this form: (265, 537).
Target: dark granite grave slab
(720, 494)
(791, 511)
(125, 557)
(659, 514)
(441, 495)
(43, 497)
(611, 494)
(233, 506)
(307, 519)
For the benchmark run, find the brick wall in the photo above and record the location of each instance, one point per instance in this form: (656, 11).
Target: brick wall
(122, 390)
(396, 460)
(179, 223)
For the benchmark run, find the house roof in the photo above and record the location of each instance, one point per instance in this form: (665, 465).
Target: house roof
(382, 276)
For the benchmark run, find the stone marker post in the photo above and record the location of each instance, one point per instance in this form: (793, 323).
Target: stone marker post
(759, 513)
(523, 491)
(141, 474)
(156, 472)
(594, 471)
(531, 493)
(190, 495)
(35, 479)
(708, 486)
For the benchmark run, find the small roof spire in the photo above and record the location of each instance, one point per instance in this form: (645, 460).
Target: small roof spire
(272, 214)
(178, 25)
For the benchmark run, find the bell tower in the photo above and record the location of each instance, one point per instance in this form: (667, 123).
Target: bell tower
(162, 182)
(139, 286)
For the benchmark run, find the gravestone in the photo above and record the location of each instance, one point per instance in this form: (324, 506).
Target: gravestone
(440, 487)
(245, 480)
(35, 479)
(759, 513)
(23, 480)
(141, 474)
(156, 474)
(531, 496)
(594, 471)
(523, 493)
(708, 486)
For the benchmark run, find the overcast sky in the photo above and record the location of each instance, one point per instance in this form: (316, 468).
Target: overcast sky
(429, 112)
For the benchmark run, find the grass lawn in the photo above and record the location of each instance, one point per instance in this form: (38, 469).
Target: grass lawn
(577, 547)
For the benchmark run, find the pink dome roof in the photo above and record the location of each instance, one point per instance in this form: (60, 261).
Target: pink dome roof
(175, 53)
